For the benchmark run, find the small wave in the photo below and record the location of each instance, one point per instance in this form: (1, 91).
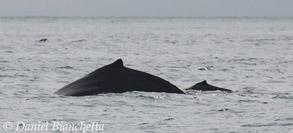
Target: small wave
(169, 119)
(283, 97)
(9, 51)
(222, 110)
(267, 125)
(251, 101)
(155, 97)
(257, 94)
(286, 119)
(145, 123)
(206, 68)
(4, 61)
(77, 41)
(65, 67)
(171, 41)
(198, 92)
(6, 76)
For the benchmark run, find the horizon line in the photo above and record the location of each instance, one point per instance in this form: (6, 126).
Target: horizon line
(122, 16)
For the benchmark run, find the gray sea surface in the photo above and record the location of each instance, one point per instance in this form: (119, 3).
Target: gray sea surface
(251, 56)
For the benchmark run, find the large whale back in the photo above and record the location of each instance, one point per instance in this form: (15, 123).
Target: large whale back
(116, 78)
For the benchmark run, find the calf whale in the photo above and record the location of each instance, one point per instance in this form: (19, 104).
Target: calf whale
(204, 86)
(116, 78)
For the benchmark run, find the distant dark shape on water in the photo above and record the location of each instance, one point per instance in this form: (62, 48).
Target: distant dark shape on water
(204, 86)
(43, 40)
(116, 78)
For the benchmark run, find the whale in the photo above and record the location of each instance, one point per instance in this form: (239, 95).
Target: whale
(116, 78)
(204, 86)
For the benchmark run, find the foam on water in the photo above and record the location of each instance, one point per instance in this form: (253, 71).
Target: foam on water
(252, 56)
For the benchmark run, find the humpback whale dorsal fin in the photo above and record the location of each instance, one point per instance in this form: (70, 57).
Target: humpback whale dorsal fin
(118, 63)
(204, 82)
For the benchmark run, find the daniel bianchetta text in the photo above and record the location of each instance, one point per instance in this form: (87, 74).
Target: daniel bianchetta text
(53, 126)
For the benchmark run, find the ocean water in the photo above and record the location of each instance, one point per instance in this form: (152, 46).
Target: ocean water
(251, 56)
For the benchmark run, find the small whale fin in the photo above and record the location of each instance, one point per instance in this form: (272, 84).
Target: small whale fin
(117, 63)
(204, 86)
(203, 82)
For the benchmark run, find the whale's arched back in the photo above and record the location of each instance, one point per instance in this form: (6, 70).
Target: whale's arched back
(116, 78)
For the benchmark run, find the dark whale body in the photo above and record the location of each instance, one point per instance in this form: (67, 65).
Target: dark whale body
(204, 86)
(116, 78)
